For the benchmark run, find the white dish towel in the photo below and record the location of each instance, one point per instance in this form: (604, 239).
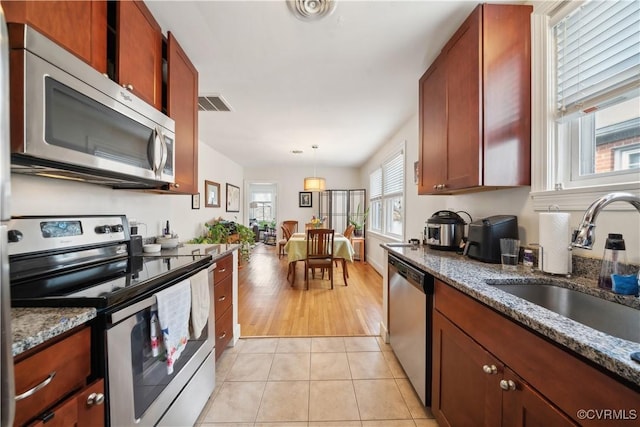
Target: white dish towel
(200, 303)
(174, 309)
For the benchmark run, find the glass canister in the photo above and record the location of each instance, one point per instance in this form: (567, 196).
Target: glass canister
(614, 260)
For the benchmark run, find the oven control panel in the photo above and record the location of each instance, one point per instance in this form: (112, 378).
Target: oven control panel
(37, 234)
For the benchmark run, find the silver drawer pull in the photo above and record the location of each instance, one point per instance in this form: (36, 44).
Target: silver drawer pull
(224, 334)
(95, 399)
(40, 386)
(222, 270)
(222, 298)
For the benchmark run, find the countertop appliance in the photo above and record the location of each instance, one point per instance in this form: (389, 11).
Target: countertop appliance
(78, 124)
(7, 387)
(410, 323)
(444, 230)
(85, 261)
(484, 237)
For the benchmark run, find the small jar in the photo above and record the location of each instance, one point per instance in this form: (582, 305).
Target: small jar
(527, 259)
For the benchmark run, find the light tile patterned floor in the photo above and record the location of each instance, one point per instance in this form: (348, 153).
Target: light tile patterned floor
(313, 382)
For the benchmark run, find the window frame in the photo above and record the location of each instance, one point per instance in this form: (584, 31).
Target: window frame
(545, 150)
(380, 214)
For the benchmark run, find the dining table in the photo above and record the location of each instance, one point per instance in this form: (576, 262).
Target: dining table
(296, 249)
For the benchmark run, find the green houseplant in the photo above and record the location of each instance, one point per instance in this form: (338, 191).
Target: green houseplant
(358, 220)
(218, 231)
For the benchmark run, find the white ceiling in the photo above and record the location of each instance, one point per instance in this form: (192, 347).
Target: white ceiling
(347, 82)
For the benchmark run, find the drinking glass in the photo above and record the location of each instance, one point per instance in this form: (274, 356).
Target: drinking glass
(509, 250)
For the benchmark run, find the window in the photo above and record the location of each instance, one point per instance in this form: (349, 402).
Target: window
(587, 107)
(387, 197)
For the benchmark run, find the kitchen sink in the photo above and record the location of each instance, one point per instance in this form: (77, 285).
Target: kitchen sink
(606, 316)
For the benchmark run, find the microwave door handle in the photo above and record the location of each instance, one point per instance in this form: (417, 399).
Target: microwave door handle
(163, 156)
(155, 146)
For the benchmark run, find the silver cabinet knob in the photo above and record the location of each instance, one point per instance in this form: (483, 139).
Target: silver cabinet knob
(435, 187)
(490, 369)
(95, 399)
(507, 385)
(128, 87)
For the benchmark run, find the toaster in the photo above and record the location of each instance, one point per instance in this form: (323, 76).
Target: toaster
(484, 237)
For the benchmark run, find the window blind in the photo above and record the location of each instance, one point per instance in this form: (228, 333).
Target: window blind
(597, 54)
(393, 175)
(375, 184)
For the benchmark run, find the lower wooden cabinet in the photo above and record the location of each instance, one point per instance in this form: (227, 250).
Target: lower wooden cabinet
(475, 388)
(83, 409)
(223, 301)
(51, 384)
(490, 371)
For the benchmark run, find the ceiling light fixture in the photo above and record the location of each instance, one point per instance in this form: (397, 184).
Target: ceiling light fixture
(314, 183)
(310, 10)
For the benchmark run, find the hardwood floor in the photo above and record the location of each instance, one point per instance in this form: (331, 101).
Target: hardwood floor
(269, 306)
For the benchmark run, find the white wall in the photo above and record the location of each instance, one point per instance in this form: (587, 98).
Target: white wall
(47, 196)
(512, 201)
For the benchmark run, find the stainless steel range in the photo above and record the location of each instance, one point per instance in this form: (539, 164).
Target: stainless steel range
(87, 261)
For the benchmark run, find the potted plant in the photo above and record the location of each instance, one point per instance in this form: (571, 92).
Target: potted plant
(358, 220)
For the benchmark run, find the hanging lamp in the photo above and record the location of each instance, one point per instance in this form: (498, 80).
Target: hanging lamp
(314, 183)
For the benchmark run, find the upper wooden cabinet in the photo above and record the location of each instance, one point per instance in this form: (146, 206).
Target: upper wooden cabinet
(78, 26)
(139, 51)
(475, 114)
(182, 106)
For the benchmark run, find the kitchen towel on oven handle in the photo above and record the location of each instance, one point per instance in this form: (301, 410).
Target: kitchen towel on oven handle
(200, 303)
(174, 310)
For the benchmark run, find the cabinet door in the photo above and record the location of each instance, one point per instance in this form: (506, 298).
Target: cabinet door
(139, 52)
(90, 403)
(433, 128)
(182, 106)
(466, 379)
(78, 26)
(524, 407)
(464, 100)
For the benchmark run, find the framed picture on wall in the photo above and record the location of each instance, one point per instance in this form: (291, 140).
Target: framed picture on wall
(305, 199)
(233, 198)
(211, 194)
(195, 201)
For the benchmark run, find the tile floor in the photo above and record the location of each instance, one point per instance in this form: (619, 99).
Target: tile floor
(325, 381)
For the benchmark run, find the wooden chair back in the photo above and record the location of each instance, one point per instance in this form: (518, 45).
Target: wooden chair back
(290, 225)
(286, 234)
(320, 243)
(348, 231)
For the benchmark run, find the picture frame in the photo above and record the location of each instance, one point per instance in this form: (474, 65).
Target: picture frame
(195, 201)
(212, 194)
(233, 198)
(305, 199)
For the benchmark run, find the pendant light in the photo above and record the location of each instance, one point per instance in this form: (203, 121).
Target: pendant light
(314, 183)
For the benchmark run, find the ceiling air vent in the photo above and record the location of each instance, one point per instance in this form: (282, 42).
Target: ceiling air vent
(212, 103)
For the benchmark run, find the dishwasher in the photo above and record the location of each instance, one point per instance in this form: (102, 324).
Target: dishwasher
(410, 314)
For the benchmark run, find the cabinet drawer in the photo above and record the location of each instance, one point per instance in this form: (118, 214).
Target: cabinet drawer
(69, 359)
(224, 330)
(222, 294)
(224, 268)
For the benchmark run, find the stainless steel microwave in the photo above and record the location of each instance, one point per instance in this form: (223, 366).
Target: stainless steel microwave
(70, 121)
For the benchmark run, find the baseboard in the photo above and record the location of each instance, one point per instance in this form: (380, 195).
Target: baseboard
(384, 333)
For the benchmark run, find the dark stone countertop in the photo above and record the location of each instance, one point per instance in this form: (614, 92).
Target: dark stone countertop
(470, 276)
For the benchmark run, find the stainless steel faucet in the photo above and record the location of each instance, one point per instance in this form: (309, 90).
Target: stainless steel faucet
(584, 236)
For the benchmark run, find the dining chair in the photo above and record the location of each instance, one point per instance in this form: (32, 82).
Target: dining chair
(319, 252)
(286, 235)
(346, 233)
(290, 225)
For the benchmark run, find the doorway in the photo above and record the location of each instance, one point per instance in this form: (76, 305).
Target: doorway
(261, 208)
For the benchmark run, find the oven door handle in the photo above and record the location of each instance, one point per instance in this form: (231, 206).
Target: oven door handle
(130, 310)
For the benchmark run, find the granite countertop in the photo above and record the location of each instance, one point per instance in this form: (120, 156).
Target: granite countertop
(470, 277)
(34, 325)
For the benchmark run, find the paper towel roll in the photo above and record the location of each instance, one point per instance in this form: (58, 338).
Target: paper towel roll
(555, 237)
